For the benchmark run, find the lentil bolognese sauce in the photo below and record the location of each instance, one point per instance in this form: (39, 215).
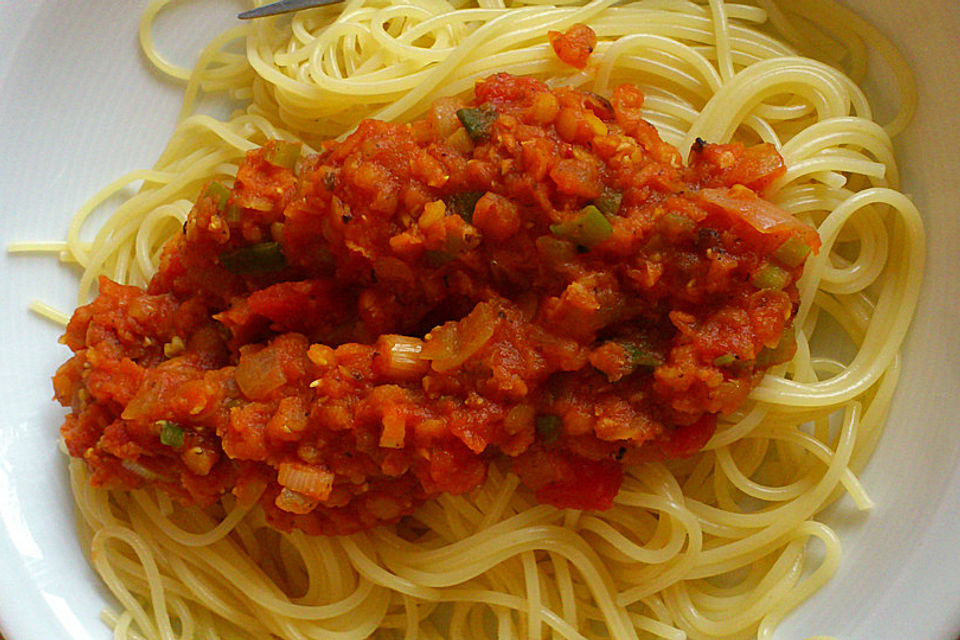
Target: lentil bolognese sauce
(533, 274)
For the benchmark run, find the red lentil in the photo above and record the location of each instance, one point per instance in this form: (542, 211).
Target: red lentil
(372, 325)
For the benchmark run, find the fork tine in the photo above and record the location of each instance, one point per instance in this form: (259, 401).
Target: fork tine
(283, 6)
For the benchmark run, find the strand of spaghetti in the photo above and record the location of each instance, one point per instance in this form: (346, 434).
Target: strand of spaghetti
(745, 425)
(532, 580)
(121, 626)
(852, 312)
(348, 628)
(432, 517)
(669, 498)
(795, 109)
(889, 323)
(848, 478)
(221, 558)
(565, 588)
(150, 50)
(841, 277)
(540, 515)
(783, 25)
(716, 595)
(876, 414)
(822, 86)
(835, 163)
(446, 572)
(658, 628)
(770, 516)
(410, 608)
(35, 246)
(206, 57)
(741, 613)
(49, 312)
(626, 550)
(721, 38)
(150, 572)
(328, 575)
(517, 603)
(829, 13)
(265, 594)
(654, 56)
(749, 487)
(800, 199)
(186, 538)
(321, 86)
(655, 579)
(746, 45)
(138, 582)
(706, 81)
(495, 511)
(153, 232)
(401, 46)
(742, 551)
(546, 538)
(213, 596)
(660, 546)
(810, 583)
(94, 505)
(236, 133)
(830, 179)
(122, 226)
(80, 250)
(516, 31)
(454, 513)
(183, 614)
(836, 132)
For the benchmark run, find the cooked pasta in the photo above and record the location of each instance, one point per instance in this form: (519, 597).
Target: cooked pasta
(714, 546)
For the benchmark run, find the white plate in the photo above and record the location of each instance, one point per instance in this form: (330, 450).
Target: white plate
(79, 106)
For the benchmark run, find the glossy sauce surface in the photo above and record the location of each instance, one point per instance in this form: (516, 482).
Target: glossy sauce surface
(534, 274)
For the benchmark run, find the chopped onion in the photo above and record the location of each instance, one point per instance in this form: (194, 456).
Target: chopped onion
(394, 431)
(258, 373)
(314, 481)
(199, 460)
(449, 345)
(383, 507)
(294, 502)
(399, 357)
(138, 469)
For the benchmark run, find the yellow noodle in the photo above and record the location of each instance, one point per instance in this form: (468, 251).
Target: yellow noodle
(715, 546)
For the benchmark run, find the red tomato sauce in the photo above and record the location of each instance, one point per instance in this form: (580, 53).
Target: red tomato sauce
(574, 46)
(533, 275)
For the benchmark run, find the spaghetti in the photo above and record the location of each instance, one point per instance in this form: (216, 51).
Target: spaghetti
(714, 546)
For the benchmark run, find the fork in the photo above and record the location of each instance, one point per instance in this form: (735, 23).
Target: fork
(283, 6)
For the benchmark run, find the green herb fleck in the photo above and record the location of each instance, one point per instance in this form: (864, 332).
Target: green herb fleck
(171, 434)
(256, 258)
(641, 356)
(462, 204)
(477, 121)
(548, 427)
(588, 229)
(284, 154)
(609, 201)
(725, 360)
(770, 276)
(793, 252)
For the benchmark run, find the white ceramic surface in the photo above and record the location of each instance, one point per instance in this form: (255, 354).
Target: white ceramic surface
(79, 107)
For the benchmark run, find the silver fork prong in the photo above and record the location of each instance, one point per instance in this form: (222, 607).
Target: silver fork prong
(283, 6)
